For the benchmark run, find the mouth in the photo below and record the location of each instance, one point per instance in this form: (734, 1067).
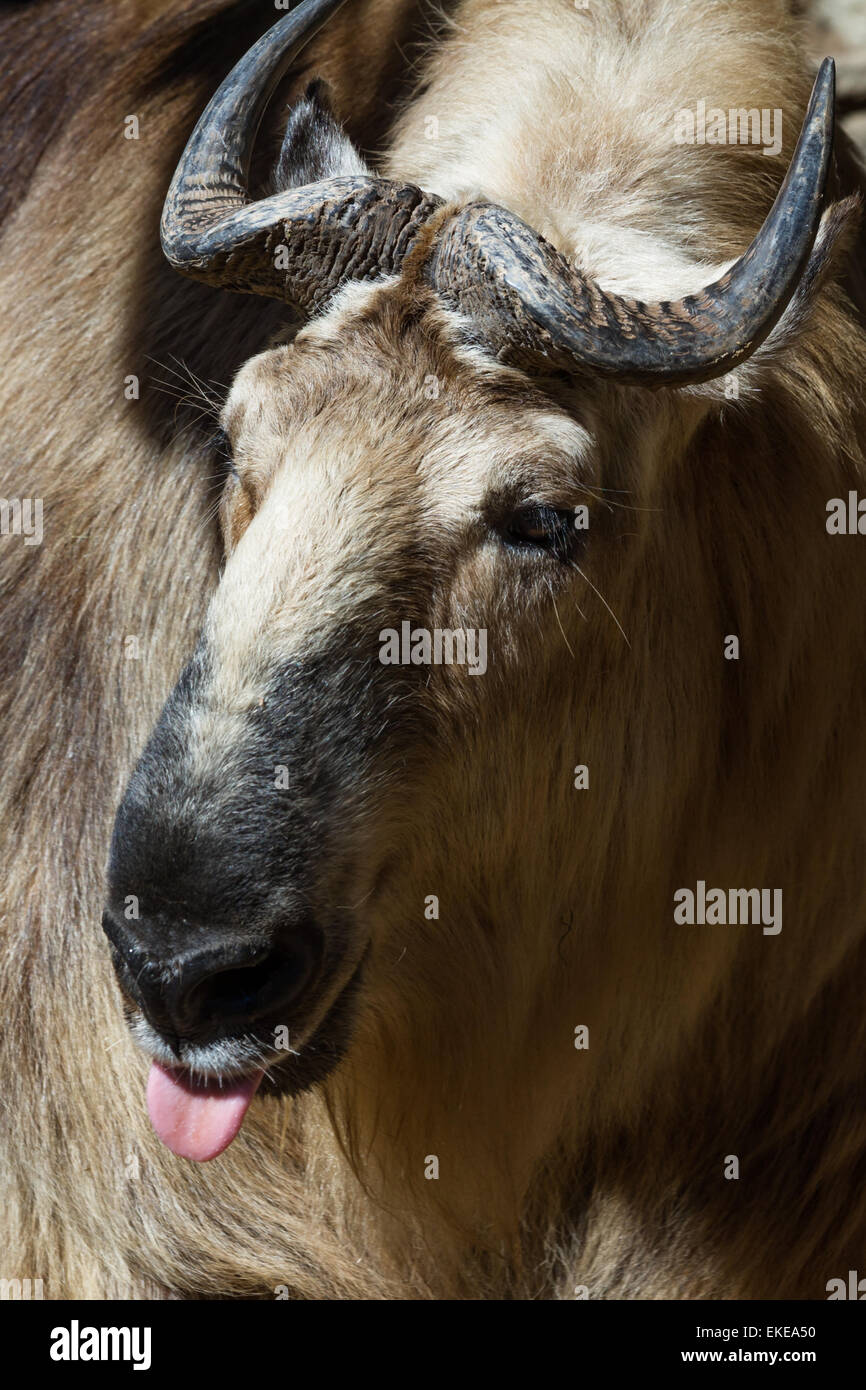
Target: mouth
(197, 1111)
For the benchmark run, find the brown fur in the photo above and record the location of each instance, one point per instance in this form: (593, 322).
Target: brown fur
(558, 1168)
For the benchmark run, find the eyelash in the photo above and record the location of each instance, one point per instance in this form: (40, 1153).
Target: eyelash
(557, 538)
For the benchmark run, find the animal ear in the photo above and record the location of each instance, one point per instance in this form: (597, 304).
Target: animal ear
(834, 245)
(315, 146)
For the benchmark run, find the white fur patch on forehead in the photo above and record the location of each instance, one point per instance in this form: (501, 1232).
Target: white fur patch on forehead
(565, 434)
(355, 298)
(457, 331)
(359, 298)
(638, 264)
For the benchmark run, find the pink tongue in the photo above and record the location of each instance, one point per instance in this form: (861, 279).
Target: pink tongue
(197, 1119)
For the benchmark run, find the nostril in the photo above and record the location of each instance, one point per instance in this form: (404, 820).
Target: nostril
(226, 985)
(253, 990)
(213, 992)
(238, 990)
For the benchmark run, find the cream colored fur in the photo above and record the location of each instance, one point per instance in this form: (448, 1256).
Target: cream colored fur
(559, 1170)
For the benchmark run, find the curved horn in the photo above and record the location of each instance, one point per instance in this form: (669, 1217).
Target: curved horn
(525, 297)
(328, 232)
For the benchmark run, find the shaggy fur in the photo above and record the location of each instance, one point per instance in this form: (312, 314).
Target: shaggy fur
(560, 1170)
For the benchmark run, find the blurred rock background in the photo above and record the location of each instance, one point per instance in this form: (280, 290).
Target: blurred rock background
(838, 28)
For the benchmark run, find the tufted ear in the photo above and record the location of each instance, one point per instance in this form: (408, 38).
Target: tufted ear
(315, 146)
(834, 245)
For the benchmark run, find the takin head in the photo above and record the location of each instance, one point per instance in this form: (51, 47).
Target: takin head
(417, 507)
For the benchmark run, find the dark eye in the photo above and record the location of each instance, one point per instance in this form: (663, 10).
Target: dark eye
(541, 528)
